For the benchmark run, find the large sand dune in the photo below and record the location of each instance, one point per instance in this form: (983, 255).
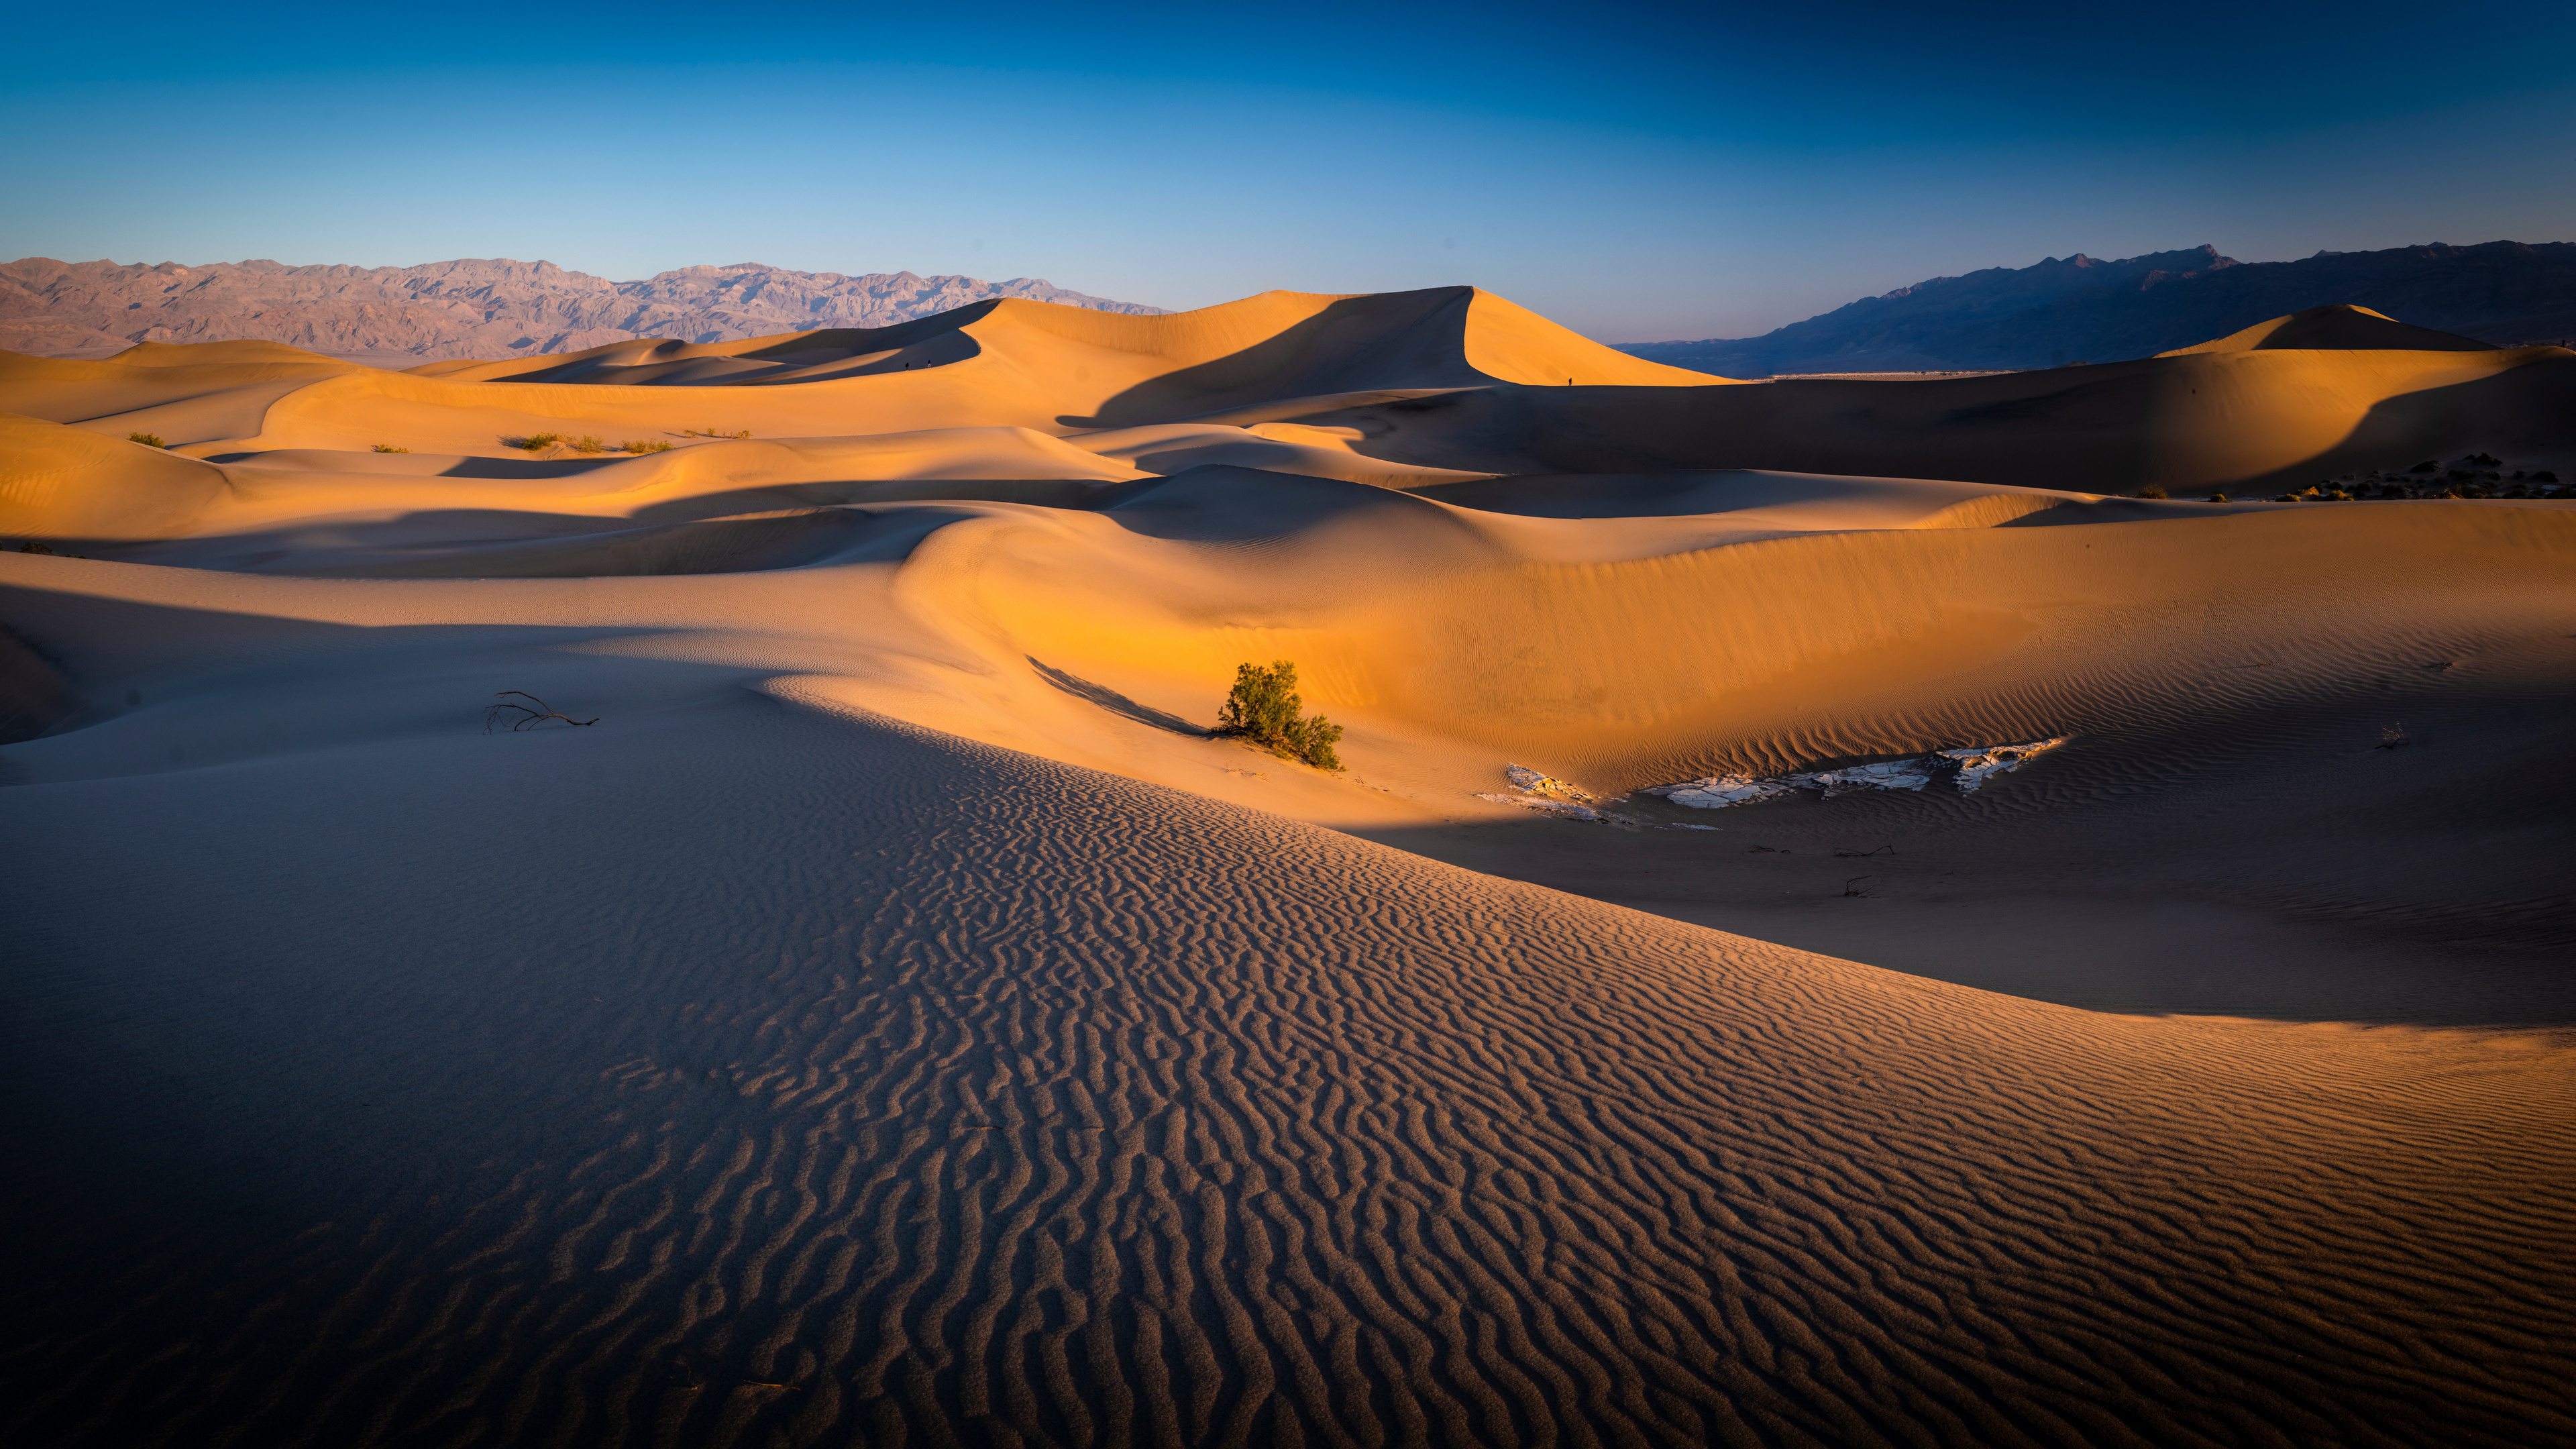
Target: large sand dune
(896, 1021)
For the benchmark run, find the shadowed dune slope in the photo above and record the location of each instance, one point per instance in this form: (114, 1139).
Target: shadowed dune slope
(2344, 328)
(1013, 363)
(2237, 420)
(898, 1107)
(1402, 388)
(1278, 344)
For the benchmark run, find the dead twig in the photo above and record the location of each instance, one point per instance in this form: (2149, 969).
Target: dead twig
(1888, 849)
(519, 717)
(1856, 887)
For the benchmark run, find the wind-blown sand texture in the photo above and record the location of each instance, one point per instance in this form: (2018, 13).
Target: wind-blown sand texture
(895, 1021)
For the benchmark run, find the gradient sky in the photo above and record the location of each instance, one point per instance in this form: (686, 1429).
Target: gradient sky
(1636, 172)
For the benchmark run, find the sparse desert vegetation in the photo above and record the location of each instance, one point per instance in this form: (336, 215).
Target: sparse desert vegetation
(1264, 709)
(149, 440)
(388, 448)
(645, 445)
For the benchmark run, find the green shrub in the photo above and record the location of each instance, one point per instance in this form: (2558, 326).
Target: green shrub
(656, 445)
(589, 443)
(149, 440)
(535, 442)
(1263, 709)
(390, 448)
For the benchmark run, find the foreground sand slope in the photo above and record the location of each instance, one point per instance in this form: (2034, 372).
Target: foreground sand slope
(848, 1080)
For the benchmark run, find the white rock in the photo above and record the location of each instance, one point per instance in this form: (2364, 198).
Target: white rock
(1719, 791)
(1528, 779)
(1888, 775)
(1969, 767)
(1542, 803)
(1976, 766)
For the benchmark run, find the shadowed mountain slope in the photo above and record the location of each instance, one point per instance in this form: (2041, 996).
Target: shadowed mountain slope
(2083, 309)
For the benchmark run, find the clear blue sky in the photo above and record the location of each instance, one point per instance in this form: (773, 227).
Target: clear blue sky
(1637, 172)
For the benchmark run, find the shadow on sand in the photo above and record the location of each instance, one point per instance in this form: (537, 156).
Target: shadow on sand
(1114, 702)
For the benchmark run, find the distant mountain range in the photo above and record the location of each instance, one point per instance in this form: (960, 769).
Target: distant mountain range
(459, 309)
(2081, 309)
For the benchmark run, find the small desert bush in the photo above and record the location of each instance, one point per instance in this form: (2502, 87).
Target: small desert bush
(657, 445)
(390, 448)
(589, 443)
(1263, 709)
(712, 433)
(535, 442)
(32, 546)
(2217, 497)
(2151, 491)
(149, 440)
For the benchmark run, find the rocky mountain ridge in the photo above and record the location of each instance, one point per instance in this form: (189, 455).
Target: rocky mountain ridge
(460, 309)
(2083, 309)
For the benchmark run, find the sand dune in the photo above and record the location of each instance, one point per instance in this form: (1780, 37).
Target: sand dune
(896, 1020)
(2335, 328)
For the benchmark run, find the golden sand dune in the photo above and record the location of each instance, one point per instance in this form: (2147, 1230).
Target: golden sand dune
(2344, 328)
(888, 1016)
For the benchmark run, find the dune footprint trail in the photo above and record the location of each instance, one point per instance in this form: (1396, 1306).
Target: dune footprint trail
(892, 1023)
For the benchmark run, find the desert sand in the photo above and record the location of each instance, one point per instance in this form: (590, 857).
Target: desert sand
(895, 1020)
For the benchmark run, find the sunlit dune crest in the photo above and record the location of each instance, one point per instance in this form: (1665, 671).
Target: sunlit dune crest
(2008, 910)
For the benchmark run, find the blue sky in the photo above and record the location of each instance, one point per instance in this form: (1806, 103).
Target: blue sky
(1637, 172)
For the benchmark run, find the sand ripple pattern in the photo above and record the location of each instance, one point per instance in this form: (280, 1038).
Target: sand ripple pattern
(971, 1099)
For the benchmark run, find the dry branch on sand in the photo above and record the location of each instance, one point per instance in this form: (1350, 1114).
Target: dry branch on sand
(519, 717)
(1263, 708)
